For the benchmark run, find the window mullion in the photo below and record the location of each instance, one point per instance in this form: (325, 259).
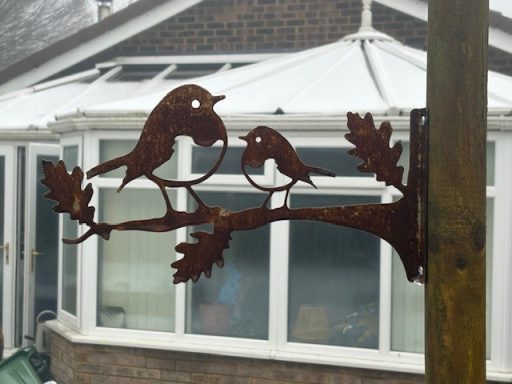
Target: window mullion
(184, 167)
(278, 311)
(385, 289)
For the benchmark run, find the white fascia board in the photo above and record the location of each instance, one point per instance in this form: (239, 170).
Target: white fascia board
(302, 125)
(497, 38)
(195, 59)
(100, 43)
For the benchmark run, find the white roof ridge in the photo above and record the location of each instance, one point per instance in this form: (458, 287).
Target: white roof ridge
(367, 34)
(378, 75)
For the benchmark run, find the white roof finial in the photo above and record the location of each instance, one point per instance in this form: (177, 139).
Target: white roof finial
(366, 17)
(366, 31)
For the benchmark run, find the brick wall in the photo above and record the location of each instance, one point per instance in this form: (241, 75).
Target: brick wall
(93, 364)
(221, 26)
(267, 25)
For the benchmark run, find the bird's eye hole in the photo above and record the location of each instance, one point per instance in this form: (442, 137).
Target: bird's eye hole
(258, 139)
(195, 103)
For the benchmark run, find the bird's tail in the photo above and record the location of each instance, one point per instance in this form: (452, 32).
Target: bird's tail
(322, 171)
(107, 166)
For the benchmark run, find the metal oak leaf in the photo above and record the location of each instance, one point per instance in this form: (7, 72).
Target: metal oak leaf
(372, 146)
(199, 257)
(67, 190)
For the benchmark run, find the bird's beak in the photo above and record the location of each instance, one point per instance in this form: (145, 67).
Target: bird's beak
(218, 98)
(244, 138)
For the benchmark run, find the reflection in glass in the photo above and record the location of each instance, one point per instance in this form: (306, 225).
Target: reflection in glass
(234, 301)
(135, 287)
(333, 279)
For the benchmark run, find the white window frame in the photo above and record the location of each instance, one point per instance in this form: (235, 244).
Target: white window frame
(499, 365)
(66, 317)
(9, 150)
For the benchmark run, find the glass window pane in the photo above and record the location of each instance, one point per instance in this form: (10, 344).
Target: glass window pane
(335, 159)
(404, 160)
(135, 287)
(490, 155)
(333, 280)
(203, 160)
(70, 156)
(408, 312)
(69, 252)
(110, 149)
(47, 242)
(69, 266)
(234, 301)
(2, 229)
(488, 275)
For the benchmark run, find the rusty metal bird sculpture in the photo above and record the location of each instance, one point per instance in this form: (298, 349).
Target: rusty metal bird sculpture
(185, 111)
(265, 143)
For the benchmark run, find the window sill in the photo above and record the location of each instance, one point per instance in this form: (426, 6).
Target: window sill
(261, 350)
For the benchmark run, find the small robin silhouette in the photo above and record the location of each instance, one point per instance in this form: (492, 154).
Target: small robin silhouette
(186, 110)
(265, 143)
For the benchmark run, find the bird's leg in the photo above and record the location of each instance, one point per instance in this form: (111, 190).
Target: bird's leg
(161, 185)
(286, 197)
(195, 196)
(166, 198)
(267, 199)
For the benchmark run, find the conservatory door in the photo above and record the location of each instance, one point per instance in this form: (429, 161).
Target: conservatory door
(41, 239)
(7, 268)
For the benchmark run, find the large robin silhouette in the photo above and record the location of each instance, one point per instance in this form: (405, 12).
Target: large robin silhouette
(265, 143)
(185, 111)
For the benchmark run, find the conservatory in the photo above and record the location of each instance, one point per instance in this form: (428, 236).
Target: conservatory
(294, 291)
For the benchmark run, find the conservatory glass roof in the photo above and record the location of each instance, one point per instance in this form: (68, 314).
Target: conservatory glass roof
(366, 71)
(125, 77)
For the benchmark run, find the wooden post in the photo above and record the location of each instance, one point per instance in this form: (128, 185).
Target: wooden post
(457, 103)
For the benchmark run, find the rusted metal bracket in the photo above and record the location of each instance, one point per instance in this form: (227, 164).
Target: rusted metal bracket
(188, 110)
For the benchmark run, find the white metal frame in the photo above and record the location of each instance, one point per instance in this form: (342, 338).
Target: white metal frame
(9, 270)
